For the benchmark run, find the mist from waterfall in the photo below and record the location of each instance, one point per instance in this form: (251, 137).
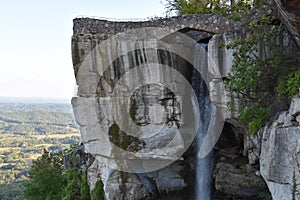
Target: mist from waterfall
(204, 166)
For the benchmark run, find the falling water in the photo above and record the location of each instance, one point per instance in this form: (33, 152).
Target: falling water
(204, 166)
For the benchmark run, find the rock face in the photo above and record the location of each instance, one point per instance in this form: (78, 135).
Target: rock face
(280, 154)
(124, 87)
(147, 98)
(252, 147)
(276, 149)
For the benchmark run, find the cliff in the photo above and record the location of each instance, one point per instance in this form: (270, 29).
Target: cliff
(123, 88)
(151, 107)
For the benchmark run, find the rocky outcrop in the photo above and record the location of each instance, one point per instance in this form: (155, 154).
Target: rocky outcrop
(237, 179)
(280, 154)
(117, 185)
(148, 97)
(77, 157)
(276, 150)
(109, 101)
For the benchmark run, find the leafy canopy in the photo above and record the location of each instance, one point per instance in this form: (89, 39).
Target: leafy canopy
(51, 180)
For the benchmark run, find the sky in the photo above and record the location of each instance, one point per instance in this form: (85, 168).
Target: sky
(35, 41)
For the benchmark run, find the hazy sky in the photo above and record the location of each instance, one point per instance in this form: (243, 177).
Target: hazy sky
(35, 39)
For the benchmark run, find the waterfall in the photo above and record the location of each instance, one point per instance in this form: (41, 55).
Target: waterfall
(204, 166)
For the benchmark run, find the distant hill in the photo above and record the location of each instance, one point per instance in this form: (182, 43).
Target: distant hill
(33, 100)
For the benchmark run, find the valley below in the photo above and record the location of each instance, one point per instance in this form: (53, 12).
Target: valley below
(26, 129)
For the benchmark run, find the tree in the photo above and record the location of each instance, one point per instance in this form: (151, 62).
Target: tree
(46, 178)
(98, 193)
(51, 180)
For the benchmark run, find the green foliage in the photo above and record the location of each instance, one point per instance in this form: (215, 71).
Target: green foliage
(255, 74)
(252, 77)
(263, 73)
(290, 83)
(193, 6)
(182, 7)
(49, 179)
(258, 74)
(98, 192)
(84, 187)
(46, 178)
(72, 191)
(255, 116)
(77, 187)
